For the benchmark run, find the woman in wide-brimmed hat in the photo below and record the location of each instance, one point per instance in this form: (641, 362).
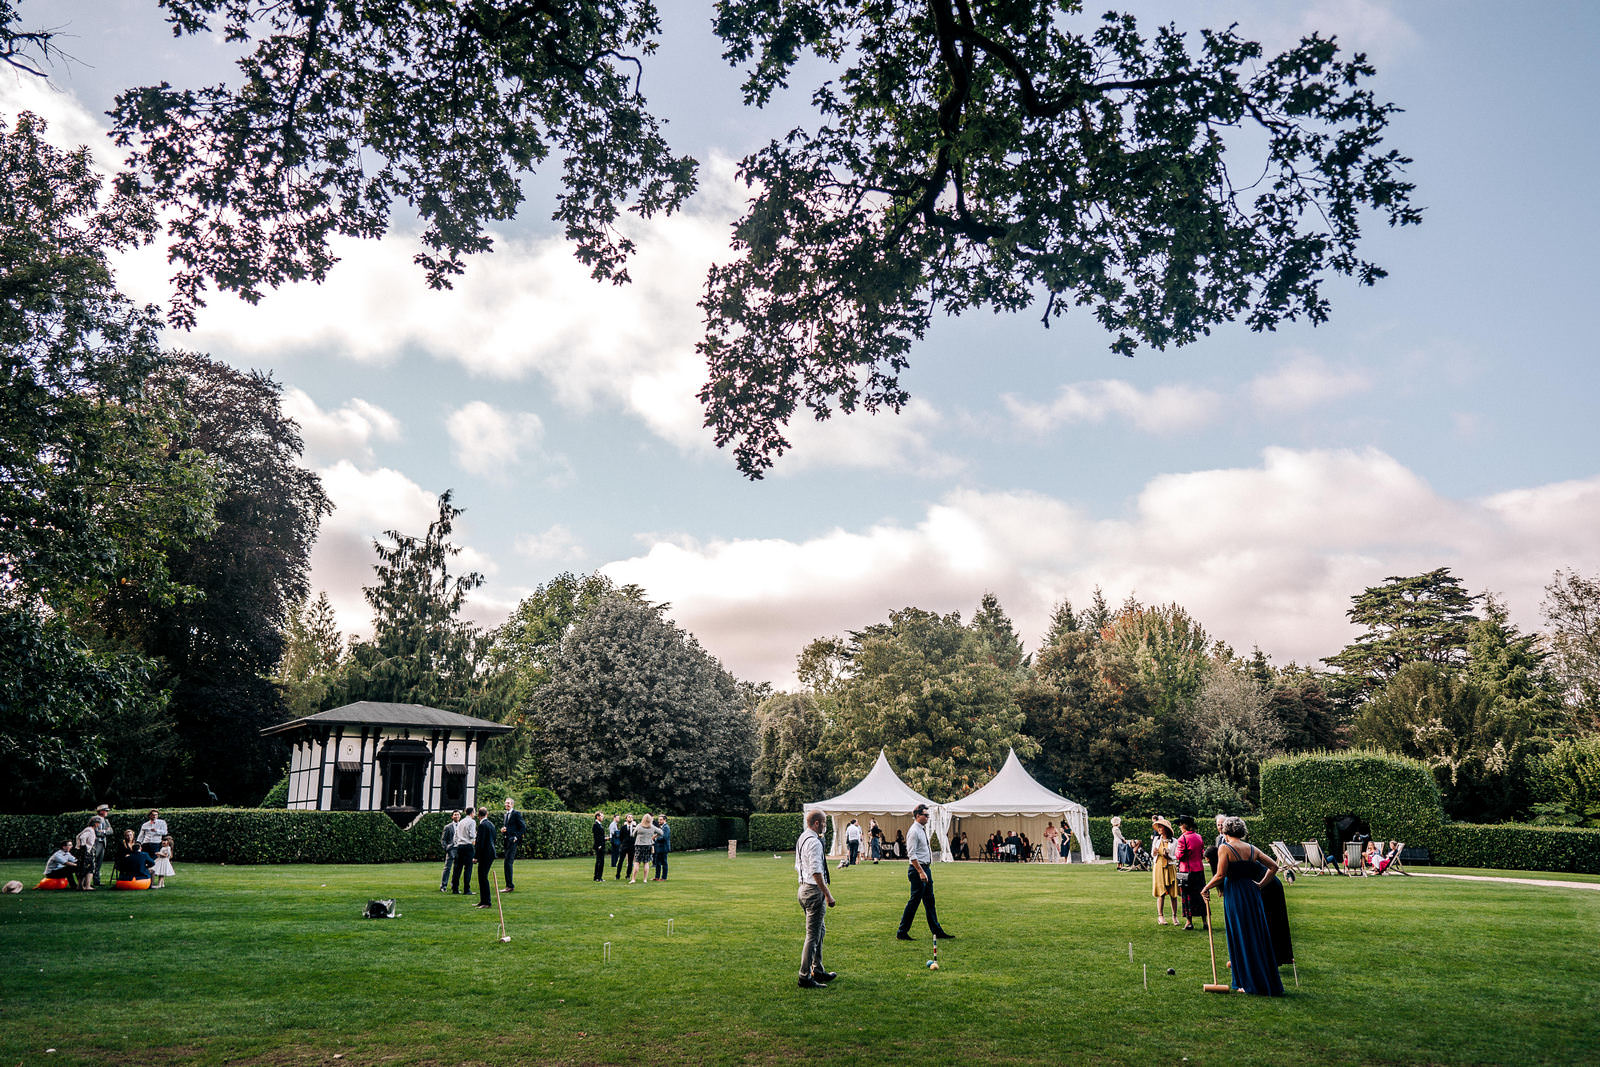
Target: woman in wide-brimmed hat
(1163, 870)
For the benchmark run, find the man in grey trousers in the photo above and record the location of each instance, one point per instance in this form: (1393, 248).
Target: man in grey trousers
(812, 866)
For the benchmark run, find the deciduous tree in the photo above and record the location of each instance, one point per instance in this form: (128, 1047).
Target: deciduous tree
(922, 686)
(635, 709)
(790, 769)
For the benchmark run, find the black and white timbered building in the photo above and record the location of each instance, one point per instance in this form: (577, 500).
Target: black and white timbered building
(403, 759)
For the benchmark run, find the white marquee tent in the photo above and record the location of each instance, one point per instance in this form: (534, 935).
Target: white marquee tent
(880, 795)
(1013, 800)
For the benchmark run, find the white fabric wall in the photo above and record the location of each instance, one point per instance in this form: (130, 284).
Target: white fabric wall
(887, 823)
(979, 827)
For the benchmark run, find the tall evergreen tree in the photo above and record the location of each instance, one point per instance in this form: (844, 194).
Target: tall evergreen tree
(997, 637)
(421, 650)
(1422, 618)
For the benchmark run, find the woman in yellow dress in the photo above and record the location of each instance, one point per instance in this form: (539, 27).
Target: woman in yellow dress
(1163, 870)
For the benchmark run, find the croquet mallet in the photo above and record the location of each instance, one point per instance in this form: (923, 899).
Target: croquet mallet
(1214, 986)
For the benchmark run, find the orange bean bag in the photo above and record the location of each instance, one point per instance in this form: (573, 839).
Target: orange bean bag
(53, 883)
(123, 883)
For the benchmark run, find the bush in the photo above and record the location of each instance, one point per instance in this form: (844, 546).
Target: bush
(1396, 796)
(277, 796)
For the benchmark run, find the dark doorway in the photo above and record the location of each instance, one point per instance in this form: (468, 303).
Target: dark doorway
(347, 786)
(405, 770)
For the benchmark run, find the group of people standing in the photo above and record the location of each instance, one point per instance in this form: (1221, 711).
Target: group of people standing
(641, 846)
(468, 839)
(1255, 914)
(141, 859)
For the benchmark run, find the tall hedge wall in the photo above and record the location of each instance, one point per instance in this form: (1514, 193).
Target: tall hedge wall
(1396, 796)
(261, 835)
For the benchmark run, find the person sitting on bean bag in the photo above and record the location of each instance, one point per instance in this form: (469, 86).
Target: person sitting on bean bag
(60, 869)
(133, 870)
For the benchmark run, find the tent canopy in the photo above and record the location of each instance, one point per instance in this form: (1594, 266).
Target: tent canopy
(881, 795)
(1014, 793)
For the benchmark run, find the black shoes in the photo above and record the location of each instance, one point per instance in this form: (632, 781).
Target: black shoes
(824, 977)
(946, 935)
(807, 982)
(903, 937)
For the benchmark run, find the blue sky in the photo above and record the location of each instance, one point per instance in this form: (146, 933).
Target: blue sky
(1443, 418)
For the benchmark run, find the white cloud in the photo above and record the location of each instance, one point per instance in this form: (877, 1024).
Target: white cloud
(1305, 381)
(70, 124)
(1164, 409)
(1267, 555)
(344, 433)
(489, 442)
(554, 545)
(902, 442)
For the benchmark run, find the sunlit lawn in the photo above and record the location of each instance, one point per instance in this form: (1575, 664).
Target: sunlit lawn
(275, 965)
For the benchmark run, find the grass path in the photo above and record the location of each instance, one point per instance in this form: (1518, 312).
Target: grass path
(273, 965)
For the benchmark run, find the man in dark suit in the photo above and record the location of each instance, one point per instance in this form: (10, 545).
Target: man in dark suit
(514, 827)
(484, 849)
(599, 846)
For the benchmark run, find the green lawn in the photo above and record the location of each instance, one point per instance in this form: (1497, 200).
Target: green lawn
(274, 965)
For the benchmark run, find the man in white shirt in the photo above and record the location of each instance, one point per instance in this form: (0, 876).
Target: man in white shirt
(151, 831)
(920, 871)
(852, 840)
(466, 848)
(811, 865)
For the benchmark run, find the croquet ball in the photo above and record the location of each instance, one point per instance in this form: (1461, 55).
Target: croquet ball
(933, 965)
(1171, 971)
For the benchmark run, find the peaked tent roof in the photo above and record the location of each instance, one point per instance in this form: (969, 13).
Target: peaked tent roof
(1013, 792)
(378, 713)
(881, 792)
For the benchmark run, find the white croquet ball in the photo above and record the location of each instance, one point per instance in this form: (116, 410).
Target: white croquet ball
(933, 965)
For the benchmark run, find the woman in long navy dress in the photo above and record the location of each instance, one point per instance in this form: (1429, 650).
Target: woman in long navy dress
(1243, 869)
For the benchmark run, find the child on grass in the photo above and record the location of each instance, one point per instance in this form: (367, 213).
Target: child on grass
(163, 865)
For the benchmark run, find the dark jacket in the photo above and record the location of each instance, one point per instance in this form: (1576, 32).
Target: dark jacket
(664, 840)
(599, 835)
(514, 827)
(485, 846)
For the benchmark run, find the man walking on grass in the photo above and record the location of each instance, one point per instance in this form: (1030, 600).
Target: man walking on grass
(920, 872)
(815, 900)
(599, 846)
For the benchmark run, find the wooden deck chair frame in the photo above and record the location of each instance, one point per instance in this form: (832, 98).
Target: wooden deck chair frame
(1395, 866)
(1316, 860)
(1285, 858)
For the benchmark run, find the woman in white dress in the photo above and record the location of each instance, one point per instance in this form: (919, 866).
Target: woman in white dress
(1052, 844)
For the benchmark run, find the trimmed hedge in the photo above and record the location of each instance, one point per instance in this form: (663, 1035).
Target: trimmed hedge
(265, 835)
(775, 832)
(1516, 847)
(1395, 795)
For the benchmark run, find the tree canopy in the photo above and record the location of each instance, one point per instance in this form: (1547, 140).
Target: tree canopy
(964, 155)
(635, 709)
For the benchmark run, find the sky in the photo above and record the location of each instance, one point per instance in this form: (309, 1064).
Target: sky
(1444, 418)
